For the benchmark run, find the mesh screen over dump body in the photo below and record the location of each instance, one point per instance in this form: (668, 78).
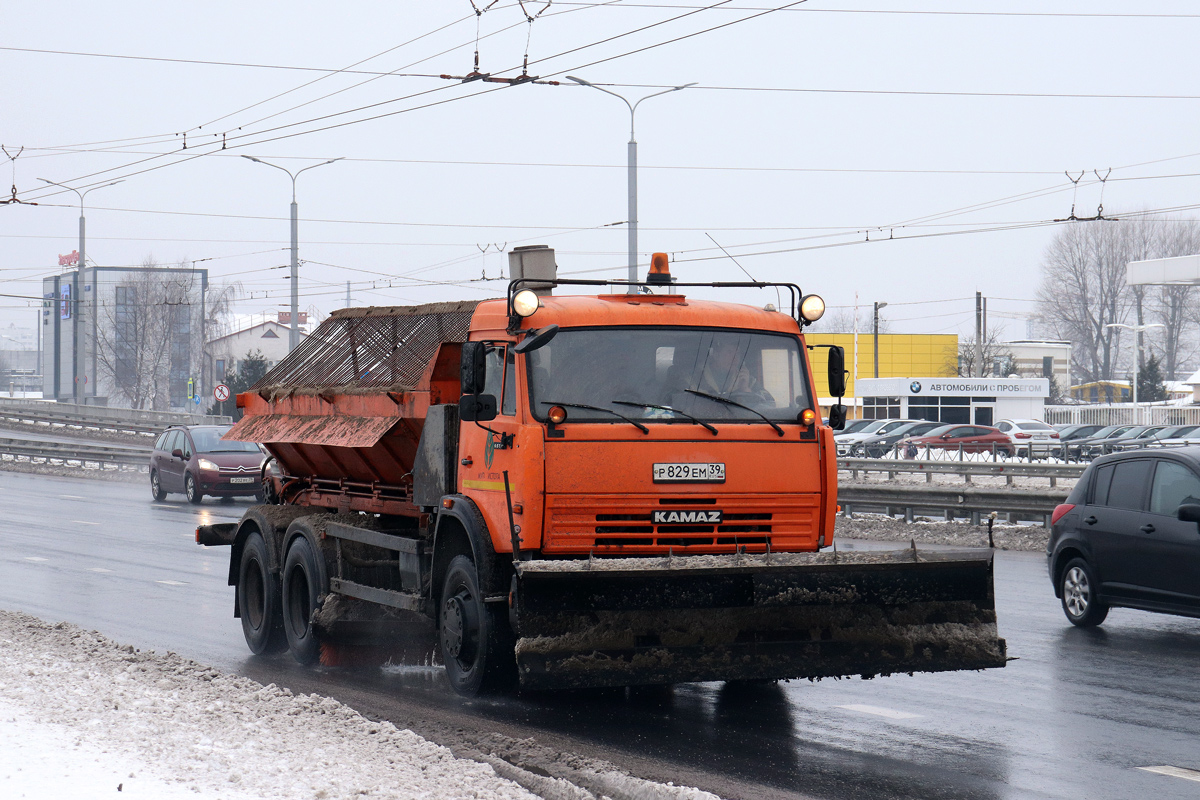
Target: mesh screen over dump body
(384, 348)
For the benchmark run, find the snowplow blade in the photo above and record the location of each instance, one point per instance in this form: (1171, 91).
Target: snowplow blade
(634, 621)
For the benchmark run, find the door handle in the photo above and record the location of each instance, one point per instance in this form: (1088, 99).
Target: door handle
(1090, 520)
(1147, 529)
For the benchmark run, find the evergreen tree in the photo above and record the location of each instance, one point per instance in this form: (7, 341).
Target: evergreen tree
(1150, 382)
(250, 371)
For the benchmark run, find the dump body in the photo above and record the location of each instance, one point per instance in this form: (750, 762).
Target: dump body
(645, 503)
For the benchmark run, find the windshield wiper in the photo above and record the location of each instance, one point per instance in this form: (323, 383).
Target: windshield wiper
(666, 408)
(637, 425)
(729, 402)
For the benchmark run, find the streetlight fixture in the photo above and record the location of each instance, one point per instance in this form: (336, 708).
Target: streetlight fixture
(875, 334)
(81, 379)
(1137, 357)
(294, 329)
(632, 221)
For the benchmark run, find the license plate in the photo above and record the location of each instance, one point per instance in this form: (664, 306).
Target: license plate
(689, 473)
(246, 479)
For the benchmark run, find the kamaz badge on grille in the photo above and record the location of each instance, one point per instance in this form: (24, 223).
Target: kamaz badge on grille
(679, 517)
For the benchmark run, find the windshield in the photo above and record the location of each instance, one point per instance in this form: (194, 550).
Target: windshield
(208, 440)
(627, 371)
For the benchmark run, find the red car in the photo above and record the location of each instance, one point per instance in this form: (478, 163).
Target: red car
(194, 460)
(970, 438)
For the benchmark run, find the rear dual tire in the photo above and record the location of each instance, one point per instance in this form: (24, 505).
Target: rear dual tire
(258, 599)
(302, 587)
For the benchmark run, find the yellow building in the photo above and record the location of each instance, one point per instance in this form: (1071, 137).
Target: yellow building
(901, 355)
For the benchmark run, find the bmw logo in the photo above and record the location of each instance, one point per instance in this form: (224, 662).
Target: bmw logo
(915, 387)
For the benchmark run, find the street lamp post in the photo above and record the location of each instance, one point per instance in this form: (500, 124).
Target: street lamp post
(1137, 329)
(875, 335)
(294, 329)
(81, 377)
(631, 174)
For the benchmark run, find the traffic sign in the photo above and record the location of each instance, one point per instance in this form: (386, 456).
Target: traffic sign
(221, 392)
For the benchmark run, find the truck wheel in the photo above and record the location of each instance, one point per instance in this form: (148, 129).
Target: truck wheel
(301, 588)
(191, 490)
(156, 490)
(258, 599)
(476, 642)
(1078, 586)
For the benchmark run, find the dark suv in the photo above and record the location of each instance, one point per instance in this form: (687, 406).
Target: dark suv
(1128, 535)
(194, 460)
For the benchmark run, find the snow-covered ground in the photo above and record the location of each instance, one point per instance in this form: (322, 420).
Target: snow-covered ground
(83, 717)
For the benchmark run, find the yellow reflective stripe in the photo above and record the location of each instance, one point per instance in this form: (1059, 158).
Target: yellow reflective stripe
(491, 486)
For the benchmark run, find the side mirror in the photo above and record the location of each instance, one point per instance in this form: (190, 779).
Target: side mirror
(177, 453)
(837, 372)
(536, 339)
(1189, 512)
(837, 416)
(477, 407)
(471, 369)
(945, 436)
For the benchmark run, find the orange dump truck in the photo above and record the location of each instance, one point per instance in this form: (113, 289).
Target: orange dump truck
(564, 491)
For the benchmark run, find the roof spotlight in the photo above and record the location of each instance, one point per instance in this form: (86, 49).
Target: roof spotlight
(812, 308)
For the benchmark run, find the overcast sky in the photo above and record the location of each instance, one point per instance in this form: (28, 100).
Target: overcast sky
(898, 112)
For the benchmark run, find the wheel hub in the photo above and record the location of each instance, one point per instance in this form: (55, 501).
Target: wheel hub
(452, 626)
(1076, 592)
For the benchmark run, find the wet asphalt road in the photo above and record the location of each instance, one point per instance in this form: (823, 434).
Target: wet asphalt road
(1074, 716)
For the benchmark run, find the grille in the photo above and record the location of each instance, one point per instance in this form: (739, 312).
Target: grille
(383, 348)
(577, 523)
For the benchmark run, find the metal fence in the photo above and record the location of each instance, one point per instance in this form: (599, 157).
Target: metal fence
(100, 417)
(80, 456)
(1123, 414)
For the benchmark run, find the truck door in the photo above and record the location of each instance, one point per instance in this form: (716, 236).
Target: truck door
(487, 449)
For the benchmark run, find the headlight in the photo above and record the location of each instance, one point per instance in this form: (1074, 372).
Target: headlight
(206, 464)
(812, 308)
(525, 303)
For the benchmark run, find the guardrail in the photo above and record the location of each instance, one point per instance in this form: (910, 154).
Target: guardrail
(1010, 470)
(75, 455)
(100, 417)
(952, 502)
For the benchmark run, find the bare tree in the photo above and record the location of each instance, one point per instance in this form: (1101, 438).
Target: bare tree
(1083, 287)
(842, 320)
(997, 357)
(144, 335)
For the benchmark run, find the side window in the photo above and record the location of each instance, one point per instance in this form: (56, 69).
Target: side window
(493, 380)
(1128, 489)
(1004, 426)
(185, 444)
(508, 405)
(1174, 485)
(1100, 487)
(173, 443)
(161, 444)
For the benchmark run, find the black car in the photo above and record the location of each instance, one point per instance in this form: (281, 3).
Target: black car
(1129, 535)
(1069, 433)
(880, 445)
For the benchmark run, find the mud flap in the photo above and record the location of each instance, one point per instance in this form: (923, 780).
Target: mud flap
(623, 622)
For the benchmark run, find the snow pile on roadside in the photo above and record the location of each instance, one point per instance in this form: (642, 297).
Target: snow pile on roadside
(882, 528)
(170, 721)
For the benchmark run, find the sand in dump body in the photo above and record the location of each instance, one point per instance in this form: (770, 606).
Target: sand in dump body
(629, 621)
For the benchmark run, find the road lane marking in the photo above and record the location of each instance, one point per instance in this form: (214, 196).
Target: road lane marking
(84, 522)
(889, 713)
(172, 583)
(98, 569)
(71, 497)
(1175, 772)
(35, 558)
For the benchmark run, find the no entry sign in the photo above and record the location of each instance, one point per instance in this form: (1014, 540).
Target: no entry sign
(221, 392)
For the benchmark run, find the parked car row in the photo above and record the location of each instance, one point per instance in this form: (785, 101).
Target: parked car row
(1023, 437)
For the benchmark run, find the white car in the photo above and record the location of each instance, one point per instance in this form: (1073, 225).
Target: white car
(846, 441)
(1030, 435)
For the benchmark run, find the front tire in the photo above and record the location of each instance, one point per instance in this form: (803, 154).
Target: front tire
(156, 490)
(191, 490)
(1080, 601)
(301, 589)
(476, 642)
(258, 599)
